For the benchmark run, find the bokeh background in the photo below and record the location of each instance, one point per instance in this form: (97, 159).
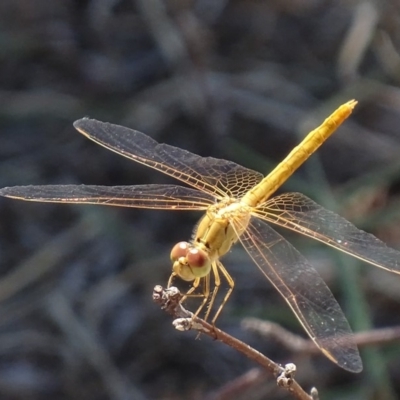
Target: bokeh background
(243, 80)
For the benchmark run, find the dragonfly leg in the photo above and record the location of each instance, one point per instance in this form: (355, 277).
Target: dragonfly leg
(171, 278)
(204, 295)
(189, 293)
(217, 283)
(231, 284)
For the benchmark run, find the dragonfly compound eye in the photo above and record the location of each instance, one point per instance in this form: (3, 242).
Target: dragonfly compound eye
(196, 258)
(179, 250)
(189, 263)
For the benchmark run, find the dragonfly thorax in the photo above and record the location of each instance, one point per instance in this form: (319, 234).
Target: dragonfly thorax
(189, 261)
(221, 227)
(212, 238)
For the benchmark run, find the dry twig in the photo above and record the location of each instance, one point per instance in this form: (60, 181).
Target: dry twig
(169, 300)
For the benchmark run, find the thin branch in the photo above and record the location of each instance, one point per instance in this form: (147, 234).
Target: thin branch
(169, 300)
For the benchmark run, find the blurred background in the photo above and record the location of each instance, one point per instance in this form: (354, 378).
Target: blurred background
(237, 79)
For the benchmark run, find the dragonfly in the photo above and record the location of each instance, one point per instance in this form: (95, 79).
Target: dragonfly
(238, 207)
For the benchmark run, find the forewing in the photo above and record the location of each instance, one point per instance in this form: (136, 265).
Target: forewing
(304, 291)
(299, 213)
(171, 197)
(220, 178)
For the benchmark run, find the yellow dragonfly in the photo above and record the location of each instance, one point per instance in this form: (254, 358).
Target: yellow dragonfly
(237, 203)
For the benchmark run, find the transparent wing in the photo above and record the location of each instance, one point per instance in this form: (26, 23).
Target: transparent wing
(304, 291)
(299, 213)
(169, 197)
(211, 175)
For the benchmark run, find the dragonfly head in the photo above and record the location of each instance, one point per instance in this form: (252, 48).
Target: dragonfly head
(189, 262)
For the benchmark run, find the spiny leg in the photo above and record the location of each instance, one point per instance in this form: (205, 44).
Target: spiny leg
(205, 294)
(231, 284)
(196, 283)
(171, 278)
(190, 293)
(217, 283)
